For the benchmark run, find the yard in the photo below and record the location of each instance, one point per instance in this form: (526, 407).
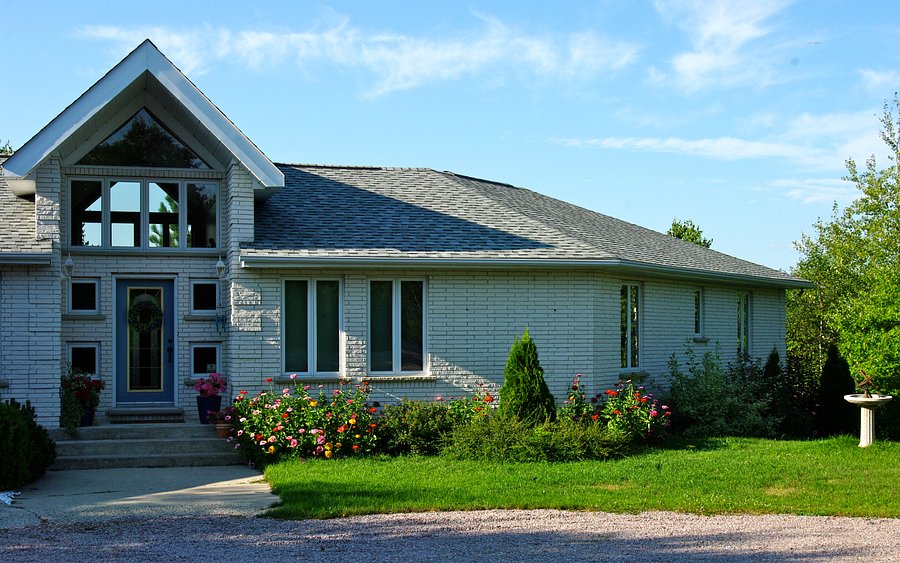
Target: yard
(714, 476)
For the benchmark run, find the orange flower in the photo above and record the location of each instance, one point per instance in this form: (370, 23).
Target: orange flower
(355, 447)
(328, 454)
(616, 411)
(488, 399)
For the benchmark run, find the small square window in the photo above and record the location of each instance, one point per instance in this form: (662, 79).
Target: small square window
(85, 358)
(83, 296)
(204, 297)
(204, 359)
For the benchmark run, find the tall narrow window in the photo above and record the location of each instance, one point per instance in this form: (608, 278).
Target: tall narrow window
(164, 213)
(397, 326)
(86, 217)
(743, 323)
(698, 313)
(125, 213)
(630, 326)
(311, 334)
(202, 215)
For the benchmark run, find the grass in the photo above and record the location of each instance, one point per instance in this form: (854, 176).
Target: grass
(722, 476)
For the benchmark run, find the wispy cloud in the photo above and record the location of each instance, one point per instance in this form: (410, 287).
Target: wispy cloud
(822, 142)
(816, 190)
(883, 81)
(395, 61)
(724, 36)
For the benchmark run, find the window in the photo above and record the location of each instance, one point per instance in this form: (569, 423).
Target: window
(85, 357)
(146, 214)
(630, 326)
(144, 142)
(396, 326)
(84, 296)
(743, 323)
(698, 313)
(204, 297)
(311, 321)
(204, 359)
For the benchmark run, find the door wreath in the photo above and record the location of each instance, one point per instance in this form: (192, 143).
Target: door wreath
(145, 315)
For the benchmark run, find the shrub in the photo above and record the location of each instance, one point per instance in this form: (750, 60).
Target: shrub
(524, 394)
(712, 400)
(836, 416)
(421, 427)
(799, 396)
(272, 426)
(25, 447)
(576, 405)
(509, 439)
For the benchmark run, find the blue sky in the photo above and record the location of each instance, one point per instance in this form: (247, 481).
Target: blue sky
(737, 115)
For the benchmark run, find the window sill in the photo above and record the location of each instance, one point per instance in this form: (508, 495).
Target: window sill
(200, 317)
(635, 376)
(700, 339)
(285, 379)
(84, 317)
(392, 378)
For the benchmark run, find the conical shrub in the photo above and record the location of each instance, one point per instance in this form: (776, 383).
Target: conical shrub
(524, 394)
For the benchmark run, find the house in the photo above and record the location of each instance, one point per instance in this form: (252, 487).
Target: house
(148, 241)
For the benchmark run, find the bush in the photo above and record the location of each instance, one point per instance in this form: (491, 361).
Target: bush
(272, 426)
(797, 401)
(712, 400)
(421, 427)
(640, 417)
(25, 447)
(836, 415)
(507, 439)
(524, 394)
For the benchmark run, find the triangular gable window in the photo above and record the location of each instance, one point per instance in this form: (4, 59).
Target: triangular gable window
(144, 142)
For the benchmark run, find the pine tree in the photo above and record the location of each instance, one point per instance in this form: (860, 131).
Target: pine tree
(524, 394)
(835, 415)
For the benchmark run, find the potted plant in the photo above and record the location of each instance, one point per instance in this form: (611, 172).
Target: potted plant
(209, 399)
(79, 398)
(222, 420)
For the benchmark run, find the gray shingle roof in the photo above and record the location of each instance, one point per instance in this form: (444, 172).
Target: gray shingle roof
(348, 213)
(327, 212)
(17, 235)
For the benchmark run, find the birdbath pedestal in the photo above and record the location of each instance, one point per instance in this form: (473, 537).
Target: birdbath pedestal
(867, 414)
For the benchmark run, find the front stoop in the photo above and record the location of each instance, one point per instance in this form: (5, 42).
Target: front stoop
(143, 445)
(144, 415)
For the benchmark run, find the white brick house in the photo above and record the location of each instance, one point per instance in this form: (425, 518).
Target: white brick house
(112, 258)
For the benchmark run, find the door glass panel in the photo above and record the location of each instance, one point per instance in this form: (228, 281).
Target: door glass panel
(163, 206)
(145, 339)
(125, 213)
(381, 328)
(87, 213)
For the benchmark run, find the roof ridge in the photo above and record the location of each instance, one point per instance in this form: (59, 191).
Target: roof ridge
(353, 166)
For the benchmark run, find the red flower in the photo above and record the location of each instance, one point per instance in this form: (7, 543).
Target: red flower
(488, 399)
(595, 417)
(268, 380)
(616, 411)
(612, 393)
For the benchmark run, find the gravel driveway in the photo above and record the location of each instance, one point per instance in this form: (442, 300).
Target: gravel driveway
(507, 535)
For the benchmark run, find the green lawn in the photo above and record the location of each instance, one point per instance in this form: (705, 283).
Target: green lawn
(729, 475)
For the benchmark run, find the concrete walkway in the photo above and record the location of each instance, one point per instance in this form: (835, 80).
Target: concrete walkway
(94, 495)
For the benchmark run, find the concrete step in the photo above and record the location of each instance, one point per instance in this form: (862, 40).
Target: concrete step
(145, 415)
(156, 460)
(143, 445)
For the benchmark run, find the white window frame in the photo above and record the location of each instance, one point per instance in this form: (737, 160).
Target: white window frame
(218, 348)
(94, 345)
(205, 312)
(144, 181)
(628, 330)
(699, 309)
(396, 317)
(311, 332)
(744, 320)
(96, 310)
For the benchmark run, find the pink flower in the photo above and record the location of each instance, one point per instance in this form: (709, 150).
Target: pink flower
(320, 439)
(301, 431)
(262, 442)
(272, 438)
(654, 414)
(293, 376)
(306, 387)
(336, 392)
(293, 443)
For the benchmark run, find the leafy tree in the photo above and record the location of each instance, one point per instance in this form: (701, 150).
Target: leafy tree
(524, 394)
(854, 260)
(6, 149)
(687, 230)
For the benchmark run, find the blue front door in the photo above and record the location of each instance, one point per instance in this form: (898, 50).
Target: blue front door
(145, 341)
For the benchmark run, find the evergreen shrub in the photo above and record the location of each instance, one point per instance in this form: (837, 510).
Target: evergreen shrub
(836, 415)
(525, 394)
(26, 449)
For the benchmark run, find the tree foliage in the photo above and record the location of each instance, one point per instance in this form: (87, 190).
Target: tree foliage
(524, 394)
(854, 260)
(687, 230)
(6, 149)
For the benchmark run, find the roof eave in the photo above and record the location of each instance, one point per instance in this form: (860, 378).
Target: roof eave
(268, 262)
(145, 58)
(22, 259)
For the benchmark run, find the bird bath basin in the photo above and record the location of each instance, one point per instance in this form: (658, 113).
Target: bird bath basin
(866, 414)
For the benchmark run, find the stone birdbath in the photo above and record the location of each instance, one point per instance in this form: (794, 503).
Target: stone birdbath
(866, 402)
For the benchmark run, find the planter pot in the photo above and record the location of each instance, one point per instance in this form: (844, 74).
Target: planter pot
(207, 404)
(87, 417)
(223, 429)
